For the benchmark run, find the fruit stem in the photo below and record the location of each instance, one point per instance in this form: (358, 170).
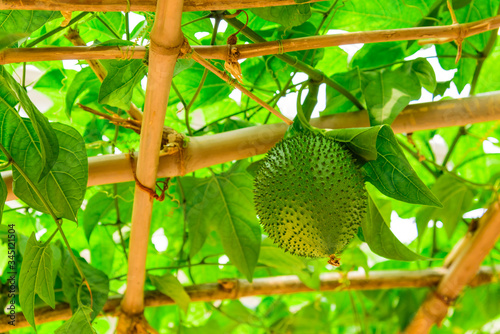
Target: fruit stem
(301, 121)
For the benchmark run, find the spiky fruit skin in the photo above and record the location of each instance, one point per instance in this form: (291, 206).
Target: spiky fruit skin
(310, 195)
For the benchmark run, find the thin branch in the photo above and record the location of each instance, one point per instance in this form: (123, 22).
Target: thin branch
(237, 85)
(461, 132)
(279, 285)
(110, 29)
(187, 108)
(417, 157)
(452, 32)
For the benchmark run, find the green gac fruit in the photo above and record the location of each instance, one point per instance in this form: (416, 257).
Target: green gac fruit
(310, 196)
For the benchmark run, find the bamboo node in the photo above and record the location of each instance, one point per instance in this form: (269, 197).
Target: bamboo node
(281, 48)
(445, 299)
(232, 65)
(165, 50)
(185, 49)
(230, 285)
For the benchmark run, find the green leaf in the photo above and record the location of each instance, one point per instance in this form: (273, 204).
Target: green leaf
(456, 197)
(7, 39)
(393, 175)
(410, 301)
(441, 87)
(182, 64)
(36, 278)
(102, 250)
(84, 80)
(312, 318)
(373, 15)
(386, 95)
(224, 203)
(476, 307)
(425, 73)
(25, 21)
(381, 239)
(465, 67)
(334, 61)
(378, 54)
(97, 207)
(187, 82)
(79, 323)
(170, 286)
(11, 93)
(3, 196)
(107, 27)
(237, 310)
(53, 79)
(56, 260)
(118, 86)
(337, 102)
(354, 257)
(361, 141)
(287, 16)
(272, 256)
(65, 185)
(71, 281)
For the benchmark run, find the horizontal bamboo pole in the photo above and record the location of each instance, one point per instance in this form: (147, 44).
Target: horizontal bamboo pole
(136, 5)
(21, 55)
(210, 150)
(455, 31)
(236, 288)
(461, 271)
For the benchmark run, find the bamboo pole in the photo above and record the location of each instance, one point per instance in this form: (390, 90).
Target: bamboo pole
(206, 151)
(236, 288)
(459, 274)
(136, 6)
(166, 40)
(450, 32)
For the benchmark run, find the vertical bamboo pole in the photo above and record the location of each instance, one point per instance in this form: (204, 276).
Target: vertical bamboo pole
(465, 266)
(166, 40)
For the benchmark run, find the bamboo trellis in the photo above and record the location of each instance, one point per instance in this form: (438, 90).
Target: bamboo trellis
(166, 45)
(238, 288)
(450, 32)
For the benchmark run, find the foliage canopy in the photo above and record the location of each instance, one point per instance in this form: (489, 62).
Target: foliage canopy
(432, 182)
